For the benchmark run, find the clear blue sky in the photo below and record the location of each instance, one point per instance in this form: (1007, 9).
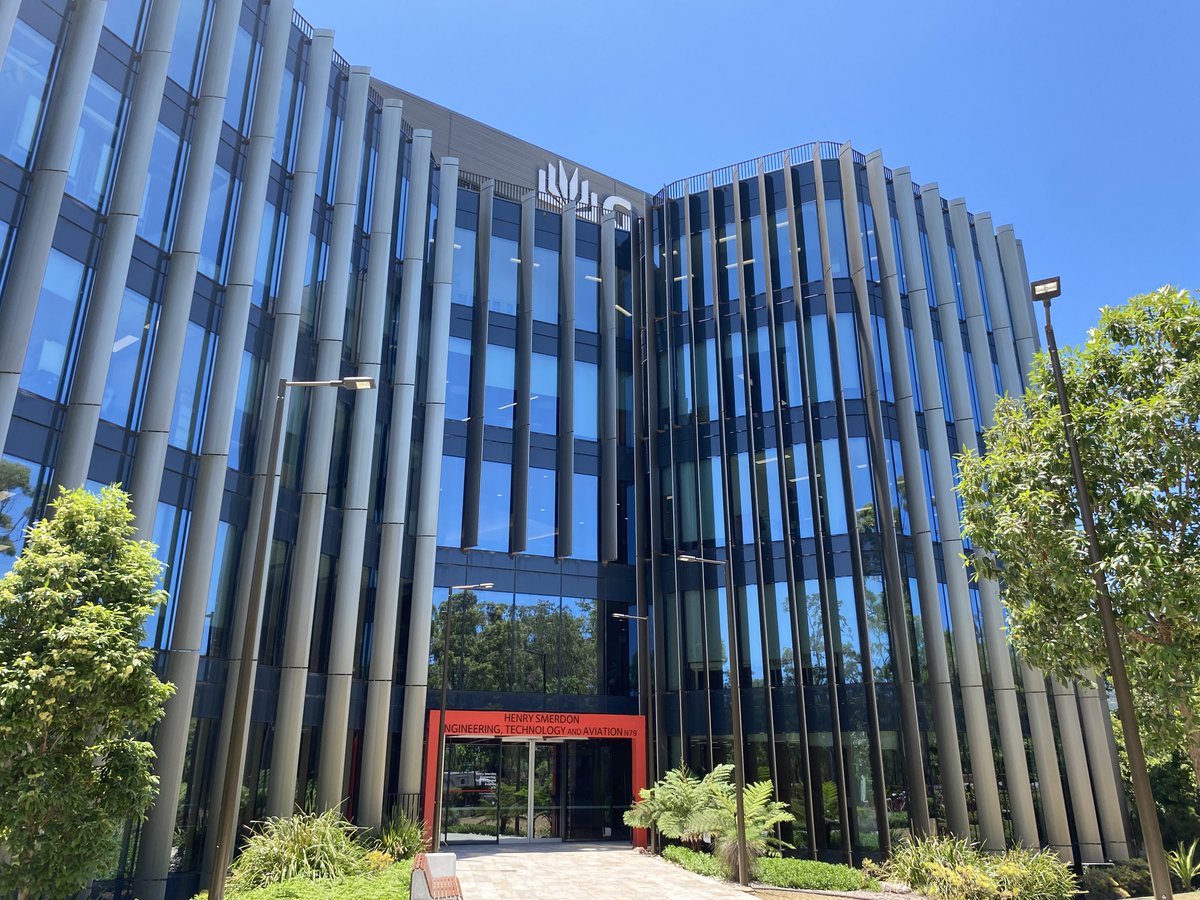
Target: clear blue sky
(1077, 122)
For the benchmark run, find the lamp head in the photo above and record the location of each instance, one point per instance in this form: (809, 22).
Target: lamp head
(358, 382)
(1046, 289)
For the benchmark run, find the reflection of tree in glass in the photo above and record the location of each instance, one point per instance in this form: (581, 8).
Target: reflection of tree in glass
(502, 646)
(14, 503)
(850, 653)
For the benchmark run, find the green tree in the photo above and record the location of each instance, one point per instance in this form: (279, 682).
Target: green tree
(76, 686)
(1134, 389)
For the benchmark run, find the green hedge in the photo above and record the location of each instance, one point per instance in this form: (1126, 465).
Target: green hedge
(817, 876)
(389, 884)
(694, 861)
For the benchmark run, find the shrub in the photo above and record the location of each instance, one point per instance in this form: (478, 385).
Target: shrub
(954, 869)
(1033, 875)
(1184, 863)
(403, 836)
(695, 861)
(304, 845)
(1128, 879)
(817, 876)
(388, 884)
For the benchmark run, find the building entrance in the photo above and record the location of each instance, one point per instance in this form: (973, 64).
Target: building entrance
(513, 777)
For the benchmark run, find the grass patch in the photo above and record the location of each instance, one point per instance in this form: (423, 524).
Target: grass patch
(388, 884)
(817, 876)
(695, 861)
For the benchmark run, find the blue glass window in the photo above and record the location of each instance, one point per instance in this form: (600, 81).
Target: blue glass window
(20, 477)
(702, 275)
(462, 283)
(587, 294)
(749, 634)
(540, 531)
(878, 638)
(505, 263)
(243, 78)
(973, 389)
(839, 258)
(781, 262)
(761, 368)
(587, 405)
(220, 222)
(95, 143)
(728, 264)
(122, 20)
(743, 510)
(191, 395)
(753, 262)
(450, 502)
(585, 513)
(23, 79)
(829, 482)
(883, 360)
(124, 385)
(712, 501)
(707, 394)
(799, 486)
(852, 383)
(291, 103)
(912, 369)
(866, 512)
(956, 277)
(930, 505)
(788, 346)
(246, 409)
(983, 295)
(870, 249)
(781, 652)
(812, 240)
(820, 363)
(458, 379)
(930, 287)
(164, 185)
(943, 379)
(50, 342)
(269, 262)
(687, 508)
(545, 284)
(683, 382)
(735, 374)
(846, 638)
(543, 399)
(499, 395)
(191, 39)
(494, 509)
(770, 505)
(896, 249)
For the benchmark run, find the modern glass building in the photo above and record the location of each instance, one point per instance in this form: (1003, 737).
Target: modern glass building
(726, 412)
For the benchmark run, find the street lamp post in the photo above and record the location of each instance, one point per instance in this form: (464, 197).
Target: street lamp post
(735, 684)
(651, 705)
(1046, 290)
(236, 757)
(441, 751)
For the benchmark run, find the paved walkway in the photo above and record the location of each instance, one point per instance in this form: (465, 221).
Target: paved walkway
(577, 871)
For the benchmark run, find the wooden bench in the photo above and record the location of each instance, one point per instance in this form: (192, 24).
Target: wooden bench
(433, 877)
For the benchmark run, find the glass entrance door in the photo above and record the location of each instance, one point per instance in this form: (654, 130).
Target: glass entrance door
(546, 814)
(470, 805)
(513, 791)
(533, 790)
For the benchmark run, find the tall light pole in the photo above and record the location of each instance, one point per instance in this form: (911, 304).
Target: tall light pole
(652, 703)
(1046, 290)
(441, 751)
(235, 761)
(735, 684)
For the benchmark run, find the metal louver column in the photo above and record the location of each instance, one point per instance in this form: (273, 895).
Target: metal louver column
(171, 736)
(163, 378)
(39, 217)
(1004, 689)
(472, 487)
(280, 365)
(425, 550)
(395, 499)
(519, 493)
(565, 459)
(120, 229)
(949, 758)
(914, 770)
(348, 597)
(966, 651)
(609, 393)
(314, 488)
(1033, 682)
(1019, 306)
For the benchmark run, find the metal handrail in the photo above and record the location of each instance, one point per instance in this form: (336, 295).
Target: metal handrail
(302, 23)
(748, 168)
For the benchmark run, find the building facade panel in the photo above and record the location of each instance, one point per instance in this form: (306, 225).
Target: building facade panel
(687, 441)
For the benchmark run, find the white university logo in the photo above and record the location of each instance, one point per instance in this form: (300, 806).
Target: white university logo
(553, 180)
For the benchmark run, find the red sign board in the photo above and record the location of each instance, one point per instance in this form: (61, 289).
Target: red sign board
(472, 723)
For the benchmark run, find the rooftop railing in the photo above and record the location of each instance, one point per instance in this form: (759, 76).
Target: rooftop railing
(746, 169)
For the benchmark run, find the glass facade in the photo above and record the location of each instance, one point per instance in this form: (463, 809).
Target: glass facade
(731, 389)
